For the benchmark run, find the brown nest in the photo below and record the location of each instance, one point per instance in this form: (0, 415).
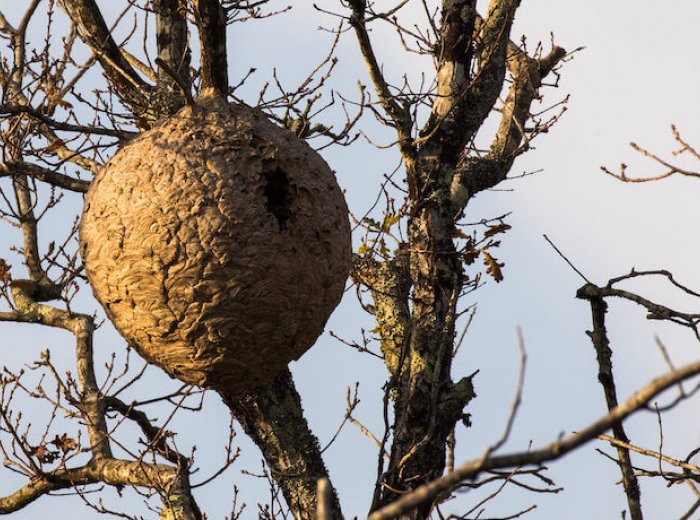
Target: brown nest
(218, 245)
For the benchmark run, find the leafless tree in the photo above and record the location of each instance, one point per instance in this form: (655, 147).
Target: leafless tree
(416, 259)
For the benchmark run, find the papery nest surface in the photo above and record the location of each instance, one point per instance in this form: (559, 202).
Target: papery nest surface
(218, 245)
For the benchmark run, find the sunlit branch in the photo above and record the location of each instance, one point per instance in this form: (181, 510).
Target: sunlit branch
(211, 24)
(93, 30)
(44, 174)
(549, 452)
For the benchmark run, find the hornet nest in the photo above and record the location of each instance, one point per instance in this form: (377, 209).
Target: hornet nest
(218, 245)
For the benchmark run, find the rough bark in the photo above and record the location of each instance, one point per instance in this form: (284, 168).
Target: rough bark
(172, 42)
(272, 416)
(177, 500)
(442, 177)
(130, 86)
(428, 403)
(599, 338)
(476, 174)
(44, 174)
(211, 25)
(390, 286)
(492, 39)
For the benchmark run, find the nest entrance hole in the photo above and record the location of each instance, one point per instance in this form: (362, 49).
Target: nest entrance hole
(277, 195)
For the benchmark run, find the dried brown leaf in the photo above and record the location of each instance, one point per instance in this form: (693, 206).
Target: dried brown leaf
(470, 255)
(44, 454)
(5, 276)
(63, 103)
(64, 443)
(493, 266)
(495, 230)
(55, 145)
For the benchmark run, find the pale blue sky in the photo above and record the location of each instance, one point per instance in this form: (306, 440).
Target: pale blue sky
(636, 76)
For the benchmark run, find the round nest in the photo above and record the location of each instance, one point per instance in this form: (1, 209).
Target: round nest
(218, 245)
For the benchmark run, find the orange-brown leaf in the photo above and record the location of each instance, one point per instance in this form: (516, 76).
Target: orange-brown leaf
(5, 276)
(44, 454)
(64, 443)
(62, 103)
(470, 255)
(55, 145)
(460, 234)
(495, 230)
(493, 266)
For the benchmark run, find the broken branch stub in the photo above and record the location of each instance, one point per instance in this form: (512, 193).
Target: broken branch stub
(218, 245)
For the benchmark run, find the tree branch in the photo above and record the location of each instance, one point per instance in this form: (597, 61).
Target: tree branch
(671, 169)
(93, 30)
(173, 60)
(656, 311)
(451, 106)
(692, 469)
(154, 435)
(172, 483)
(400, 115)
(44, 174)
(475, 174)
(527, 79)
(599, 337)
(272, 416)
(390, 285)
(172, 41)
(493, 36)
(552, 451)
(174, 489)
(67, 127)
(211, 24)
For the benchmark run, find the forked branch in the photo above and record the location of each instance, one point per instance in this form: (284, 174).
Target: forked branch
(93, 30)
(552, 451)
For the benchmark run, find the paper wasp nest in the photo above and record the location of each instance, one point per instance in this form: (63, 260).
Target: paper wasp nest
(218, 245)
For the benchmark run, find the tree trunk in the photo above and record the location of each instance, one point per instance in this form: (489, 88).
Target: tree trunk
(273, 417)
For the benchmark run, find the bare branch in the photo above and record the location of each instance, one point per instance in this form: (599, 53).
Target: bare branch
(671, 169)
(475, 174)
(527, 79)
(67, 127)
(156, 436)
(400, 115)
(211, 24)
(492, 41)
(599, 337)
(114, 472)
(656, 311)
(652, 454)
(87, 17)
(44, 174)
(552, 451)
(452, 106)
